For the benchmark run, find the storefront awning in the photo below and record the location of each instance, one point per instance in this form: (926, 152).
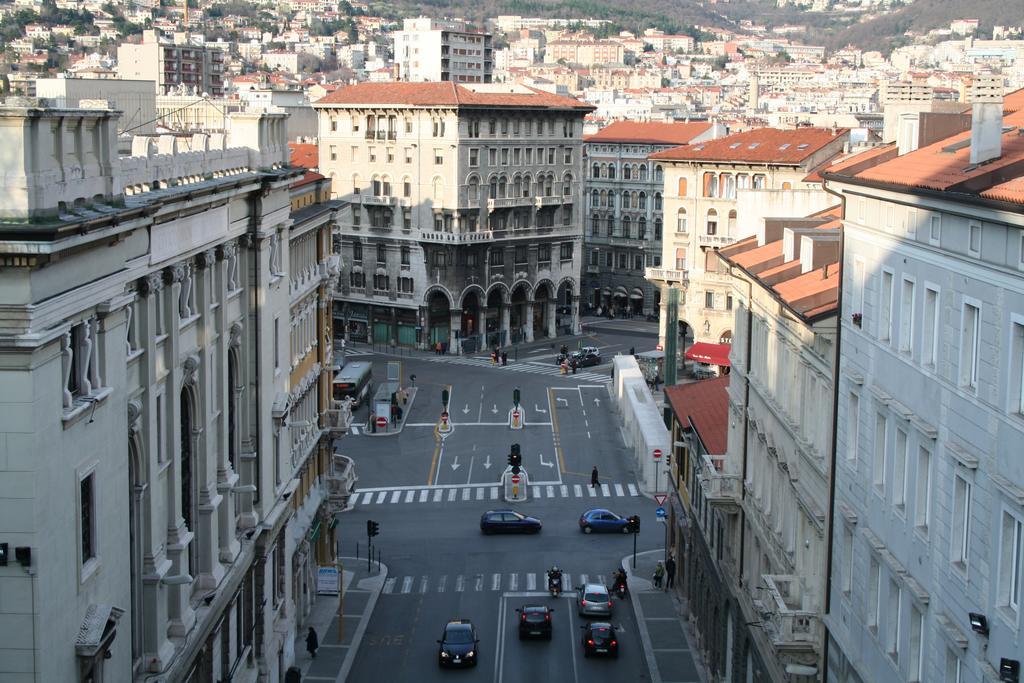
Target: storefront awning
(712, 354)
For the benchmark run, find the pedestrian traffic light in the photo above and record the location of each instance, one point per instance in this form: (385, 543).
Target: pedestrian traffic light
(372, 528)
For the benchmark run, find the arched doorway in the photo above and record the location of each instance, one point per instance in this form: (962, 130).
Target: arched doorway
(495, 315)
(565, 307)
(543, 303)
(517, 315)
(620, 302)
(188, 489)
(471, 313)
(636, 301)
(438, 318)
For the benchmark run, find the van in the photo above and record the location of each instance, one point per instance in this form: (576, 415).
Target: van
(354, 380)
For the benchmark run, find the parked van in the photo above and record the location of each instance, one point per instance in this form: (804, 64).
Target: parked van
(354, 380)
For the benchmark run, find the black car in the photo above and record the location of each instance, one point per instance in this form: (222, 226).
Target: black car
(599, 639)
(534, 621)
(458, 644)
(508, 522)
(590, 355)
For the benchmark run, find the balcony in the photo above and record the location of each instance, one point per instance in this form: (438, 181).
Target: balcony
(714, 240)
(667, 275)
(552, 201)
(373, 200)
(339, 416)
(790, 617)
(508, 202)
(438, 237)
(340, 482)
(591, 269)
(720, 489)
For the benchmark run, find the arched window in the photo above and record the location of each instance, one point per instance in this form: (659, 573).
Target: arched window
(611, 171)
(657, 229)
(657, 201)
(567, 184)
(517, 186)
(604, 170)
(595, 197)
(625, 199)
(643, 171)
(732, 222)
(787, 185)
(503, 187)
(625, 172)
(643, 200)
(681, 226)
(438, 189)
(711, 226)
(494, 188)
(549, 183)
(595, 226)
(641, 228)
(357, 184)
(604, 198)
(595, 171)
(474, 188)
(635, 200)
(527, 185)
(658, 172)
(627, 227)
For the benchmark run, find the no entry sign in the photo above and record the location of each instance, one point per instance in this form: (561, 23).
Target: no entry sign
(657, 454)
(382, 421)
(515, 478)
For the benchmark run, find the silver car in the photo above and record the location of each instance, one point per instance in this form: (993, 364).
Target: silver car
(592, 600)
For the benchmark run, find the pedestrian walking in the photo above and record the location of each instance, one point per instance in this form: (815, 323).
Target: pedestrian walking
(312, 642)
(656, 380)
(437, 349)
(659, 574)
(504, 358)
(670, 571)
(574, 364)
(632, 350)
(594, 481)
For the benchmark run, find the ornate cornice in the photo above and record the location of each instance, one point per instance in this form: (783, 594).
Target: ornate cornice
(174, 273)
(150, 284)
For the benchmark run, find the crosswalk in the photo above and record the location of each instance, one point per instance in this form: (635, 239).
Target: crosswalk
(493, 582)
(453, 494)
(533, 367)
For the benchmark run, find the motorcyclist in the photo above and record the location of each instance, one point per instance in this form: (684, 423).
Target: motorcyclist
(620, 580)
(554, 576)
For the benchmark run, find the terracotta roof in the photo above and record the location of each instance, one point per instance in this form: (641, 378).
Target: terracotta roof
(1010, 191)
(761, 145)
(1013, 101)
(650, 132)
(307, 178)
(704, 405)
(946, 164)
(816, 290)
(447, 94)
(304, 155)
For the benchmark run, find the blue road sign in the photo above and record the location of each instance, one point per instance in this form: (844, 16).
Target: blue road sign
(660, 512)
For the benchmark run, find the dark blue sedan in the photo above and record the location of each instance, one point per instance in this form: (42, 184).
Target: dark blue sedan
(601, 520)
(508, 522)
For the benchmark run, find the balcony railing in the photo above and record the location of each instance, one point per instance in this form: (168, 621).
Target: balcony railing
(374, 200)
(667, 275)
(553, 201)
(791, 618)
(339, 416)
(508, 202)
(720, 489)
(714, 240)
(340, 482)
(439, 237)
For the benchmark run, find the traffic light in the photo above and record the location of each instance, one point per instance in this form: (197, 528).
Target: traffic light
(633, 524)
(372, 528)
(668, 458)
(444, 397)
(515, 458)
(515, 397)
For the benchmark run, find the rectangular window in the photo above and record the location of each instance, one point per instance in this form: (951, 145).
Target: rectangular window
(974, 239)
(595, 256)
(709, 299)
(894, 617)
(492, 156)
(878, 472)
(408, 155)
(544, 253)
(930, 332)
(391, 155)
(497, 257)
(961, 521)
(907, 316)
(935, 229)
(1011, 557)
(277, 343)
(970, 329)
(334, 153)
(438, 157)
(728, 302)
(899, 470)
(858, 286)
(517, 156)
(474, 157)
(874, 594)
(680, 259)
(885, 307)
(529, 155)
(551, 155)
(565, 251)
(954, 668)
(372, 154)
(355, 153)
(916, 653)
(923, 494)
(847, 567)
(504, 156)
(405, 256)
(853, 425)
(87, 516)
(567, 158)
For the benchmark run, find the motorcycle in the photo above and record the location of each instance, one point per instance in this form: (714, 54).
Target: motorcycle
(555, 586)
(619, 588)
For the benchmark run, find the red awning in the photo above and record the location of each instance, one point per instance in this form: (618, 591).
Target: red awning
(712, 354)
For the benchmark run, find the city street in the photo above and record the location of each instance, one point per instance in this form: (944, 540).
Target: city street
(428, 493)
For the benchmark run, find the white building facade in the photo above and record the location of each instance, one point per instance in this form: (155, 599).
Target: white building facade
(442, 50)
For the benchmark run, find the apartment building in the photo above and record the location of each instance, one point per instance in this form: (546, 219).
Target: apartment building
(443, 50)
(584, 52)
(928, 535)
(624, 224)
(166, 465)
(718, 192)
(466, 211)
(172, 65)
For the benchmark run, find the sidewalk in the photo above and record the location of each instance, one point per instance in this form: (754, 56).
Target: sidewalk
(665, 633)
(361, 588)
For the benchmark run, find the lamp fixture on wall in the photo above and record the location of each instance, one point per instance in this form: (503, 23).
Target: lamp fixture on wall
(979, 624)
(1009, 670)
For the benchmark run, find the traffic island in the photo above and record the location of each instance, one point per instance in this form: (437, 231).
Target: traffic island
(392, 424)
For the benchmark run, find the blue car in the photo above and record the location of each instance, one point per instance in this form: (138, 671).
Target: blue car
(602, 520)
(508, 522)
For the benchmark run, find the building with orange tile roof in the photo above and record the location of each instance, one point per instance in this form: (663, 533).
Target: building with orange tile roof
(719, 191)
(624, 224)
(929, 492)
(465, 210)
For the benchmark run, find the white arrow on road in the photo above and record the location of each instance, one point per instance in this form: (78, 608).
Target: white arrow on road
(546, 464)
(494, 409)
(597, 401)
(565, 401)
(539, 410)
(487, 463)
(465, 409)
(455, 463)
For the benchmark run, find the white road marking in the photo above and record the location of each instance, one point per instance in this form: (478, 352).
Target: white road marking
(441, 584)
(566, 581)
(406, 584)
(437, 495)
(423, 584)
(354, 430)
(460, 583)
(536, 492)
(513, 582)
(353, 499)
(465, 494)
(395, 496)
(389, 585)
(423, 495)
(592, 491)
(583, 580)
(451, 494)
(531, 582)
(381, 497)
(632, 490)
(550, 491)
(409, 495)
(564, 490)
(605, 490)
(496, 582)
(577, 490)
(480, 494)
(619, 491)
(494, 493)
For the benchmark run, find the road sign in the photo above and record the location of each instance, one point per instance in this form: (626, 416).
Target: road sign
(660, 512)
(657, 454)
(382, 421)
(660, 498)
(515, 478)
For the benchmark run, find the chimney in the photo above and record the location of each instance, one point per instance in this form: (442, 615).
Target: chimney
(986, 97)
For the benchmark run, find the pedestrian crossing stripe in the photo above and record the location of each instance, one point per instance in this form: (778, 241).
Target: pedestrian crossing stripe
(480, 583)
(533, 367)
(479, 493)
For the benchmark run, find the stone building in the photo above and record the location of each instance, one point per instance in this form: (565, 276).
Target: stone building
(928, 532)
(718, 192)
(161, 463)
(466, 211)
(623, 227)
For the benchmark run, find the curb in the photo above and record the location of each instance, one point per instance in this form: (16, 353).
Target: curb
(406, 409)
(638, 611)
(364, 620)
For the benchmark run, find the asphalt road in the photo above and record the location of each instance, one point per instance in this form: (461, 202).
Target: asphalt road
(428, 493)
